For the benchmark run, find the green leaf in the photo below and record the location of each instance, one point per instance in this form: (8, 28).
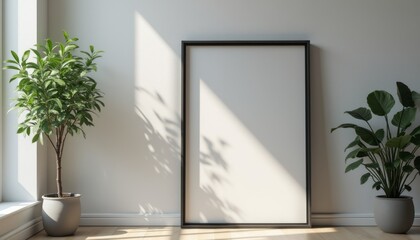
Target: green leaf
(417, 163)
(405, 156)
(70, 47)
(374, 150)
(11, 61)
(360, 113)
(60, 105)
(407, 187)
(59, 81)
(415, 140)
(356, 153)
(344, 125)
(408, 168)
(371, 165)
(15, 56)
(11, 68)
(66, 35)
(355, 142)
(377, 185)
(367, 136)
(21, 130)
(49, 45)
(364, 178)
(354, 165)
(389, 166)
(405, 95)
(404, 118)
(36, 52)
(397, 163)
(398, 142)
(35, 138)
(26, 55)
(61, 52)
(380, 102)
(380, 135)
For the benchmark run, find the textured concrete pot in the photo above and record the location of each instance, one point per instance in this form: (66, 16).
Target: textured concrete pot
(61, 216)
(394, 215)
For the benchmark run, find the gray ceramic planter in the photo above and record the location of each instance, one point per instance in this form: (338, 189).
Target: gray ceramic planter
(61, 216)
(394, 215)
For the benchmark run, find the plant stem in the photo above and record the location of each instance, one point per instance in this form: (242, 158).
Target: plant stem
(58, 180)
(59, 153)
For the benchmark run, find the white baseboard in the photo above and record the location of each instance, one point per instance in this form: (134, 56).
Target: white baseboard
(25, 231)
(130, 219)
(318, 219)
(348, 219)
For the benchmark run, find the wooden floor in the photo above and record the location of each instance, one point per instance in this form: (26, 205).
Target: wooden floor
(175, 233)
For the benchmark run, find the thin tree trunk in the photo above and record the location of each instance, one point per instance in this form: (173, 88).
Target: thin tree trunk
(58, 180)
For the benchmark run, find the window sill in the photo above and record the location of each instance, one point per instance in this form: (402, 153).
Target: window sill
(8, 208)
(19, 220)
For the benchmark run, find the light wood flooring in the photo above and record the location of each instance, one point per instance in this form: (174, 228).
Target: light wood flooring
(175, 233)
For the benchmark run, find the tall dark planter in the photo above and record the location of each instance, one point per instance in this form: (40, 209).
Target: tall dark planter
(61, 215)
(394, 215)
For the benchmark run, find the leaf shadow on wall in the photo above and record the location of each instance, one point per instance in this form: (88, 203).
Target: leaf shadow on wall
(209, 203)
(162, 136)
(162, 147)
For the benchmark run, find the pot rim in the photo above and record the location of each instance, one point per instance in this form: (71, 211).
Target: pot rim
(65, 196)
(400, 197)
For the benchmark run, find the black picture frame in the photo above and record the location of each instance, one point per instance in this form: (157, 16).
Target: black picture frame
(187, 47)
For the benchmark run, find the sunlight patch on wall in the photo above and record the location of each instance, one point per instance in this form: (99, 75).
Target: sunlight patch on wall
(156, 73)
(157, 99)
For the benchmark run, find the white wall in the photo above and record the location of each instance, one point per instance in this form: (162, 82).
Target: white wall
(130, 161)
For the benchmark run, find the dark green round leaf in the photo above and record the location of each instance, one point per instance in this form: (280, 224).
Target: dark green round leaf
(417, 163)
(404, 118)
(367, 136)
(405, 95)
(408, 169)
(405, 156)
(415, 139)
(398, 142)
(380, 102)
(364, 178)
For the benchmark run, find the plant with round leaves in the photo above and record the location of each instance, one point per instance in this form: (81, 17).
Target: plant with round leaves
(389, 154)
(56, 97)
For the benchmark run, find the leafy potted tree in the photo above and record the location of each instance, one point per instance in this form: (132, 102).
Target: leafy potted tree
(388, 155)
(56, 97)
